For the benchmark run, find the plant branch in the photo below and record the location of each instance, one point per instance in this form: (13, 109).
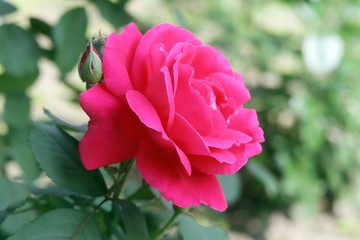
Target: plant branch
(169, 223)
(87, 219)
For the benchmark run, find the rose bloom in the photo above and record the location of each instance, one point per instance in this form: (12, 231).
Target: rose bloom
(175, 105)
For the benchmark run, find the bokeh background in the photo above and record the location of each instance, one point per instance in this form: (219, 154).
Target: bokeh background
(300, 60)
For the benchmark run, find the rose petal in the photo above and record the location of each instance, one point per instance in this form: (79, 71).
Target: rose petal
(233, 86)
(246, 121)
(206, 60)
(227, 140)
(165, 34)
(149, 117)
(114, 131)
(210, 165)
(190, 104)
(186, 137)
(118, 55)
(160, 168)
(223, 155)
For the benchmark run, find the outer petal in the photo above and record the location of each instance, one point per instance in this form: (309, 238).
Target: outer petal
(211, 165)
(246, 121)
(228, 139)
(160, 168)
(206, 60)
(118, 55)
(114, 131)
(165, 34)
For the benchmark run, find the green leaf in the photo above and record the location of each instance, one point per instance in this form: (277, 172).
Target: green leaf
(190, 229)
(19, 51)
(2, 153)
(69, 39)
(231, 187)
(57, 154)
(17, 84)
(3, 215)
(14, 222)
(60, 224)
(6, 8)
(19, 122)
(15, 192)
(64, 124)
(39, 26)
(21, 152)
(113, 12)
(133, 218)
(264, 176)
(20, 102)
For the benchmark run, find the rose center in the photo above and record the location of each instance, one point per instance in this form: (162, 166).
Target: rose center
(215, 96)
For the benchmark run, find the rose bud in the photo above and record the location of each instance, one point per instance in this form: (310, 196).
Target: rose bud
(90, 66)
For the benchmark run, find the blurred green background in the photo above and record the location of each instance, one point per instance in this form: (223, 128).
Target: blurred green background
(300, 60)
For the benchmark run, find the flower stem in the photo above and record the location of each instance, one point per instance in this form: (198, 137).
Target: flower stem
(125, 169)
(169, 223)
(78, 230)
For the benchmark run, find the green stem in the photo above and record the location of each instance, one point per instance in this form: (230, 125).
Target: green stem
(139, 190)
(169, 223)
(78, 230)
(120, 185)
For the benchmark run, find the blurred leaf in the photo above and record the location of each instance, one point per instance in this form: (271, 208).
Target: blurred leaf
(263, 175)
(14, 222)
(21, 152)
(3, 215)
(17, 109)
(133, 218)
(190, 229)
(15, 84)
(39, 26)
(113, 12)
(16, 115)
(62, 123)
(60, 224)
(57, 154)
(19, 51)
(69, 39)
(231, 187)
(52, 190)
(15, 192)
(6, 8)
(2, 159)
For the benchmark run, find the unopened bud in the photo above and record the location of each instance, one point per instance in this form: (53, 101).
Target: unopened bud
(90, 66)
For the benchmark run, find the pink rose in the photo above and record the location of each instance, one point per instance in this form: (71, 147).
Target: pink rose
(175, 105)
